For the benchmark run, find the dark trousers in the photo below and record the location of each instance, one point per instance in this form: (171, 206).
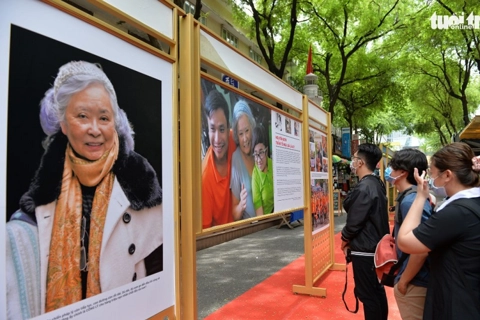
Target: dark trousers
(368, 290)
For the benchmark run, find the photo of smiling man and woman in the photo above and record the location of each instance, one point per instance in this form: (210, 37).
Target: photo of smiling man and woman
(237, 170)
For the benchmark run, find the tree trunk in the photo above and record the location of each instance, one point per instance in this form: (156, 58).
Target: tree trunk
(179, 3)
(466, 119)
(443, 139)
(198, 9)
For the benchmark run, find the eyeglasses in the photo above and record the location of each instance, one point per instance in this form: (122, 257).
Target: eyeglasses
(429, 174)
(357, 158)
(261, 154)
(83, 251)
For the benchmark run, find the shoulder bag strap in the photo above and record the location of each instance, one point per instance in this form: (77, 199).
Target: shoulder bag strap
(398, 215)
(345, 290)
(397, 265)
(399, 200)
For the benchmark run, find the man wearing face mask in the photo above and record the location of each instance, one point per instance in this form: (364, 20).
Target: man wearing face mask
(367, 223)
(412, 278)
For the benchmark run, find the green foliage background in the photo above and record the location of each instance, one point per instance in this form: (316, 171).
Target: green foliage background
(380, 64)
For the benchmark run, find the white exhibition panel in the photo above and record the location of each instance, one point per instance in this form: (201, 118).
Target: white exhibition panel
(243, 68)
(287, 154)
(317, 113)
(39, 17)
(152, 13)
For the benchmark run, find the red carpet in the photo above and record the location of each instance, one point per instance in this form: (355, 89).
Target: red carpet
(274, 298)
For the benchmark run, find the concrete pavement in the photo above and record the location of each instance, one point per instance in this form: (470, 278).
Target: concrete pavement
(227, 270)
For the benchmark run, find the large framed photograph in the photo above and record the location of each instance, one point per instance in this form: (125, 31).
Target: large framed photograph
(319, 167)
(237, 168)
(86, 168)
(251, 158)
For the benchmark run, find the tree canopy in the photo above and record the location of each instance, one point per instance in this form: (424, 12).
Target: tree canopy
(383, 65)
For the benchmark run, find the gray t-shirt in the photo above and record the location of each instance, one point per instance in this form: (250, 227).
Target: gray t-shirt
(241, 176)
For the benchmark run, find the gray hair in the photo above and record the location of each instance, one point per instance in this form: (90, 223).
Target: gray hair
(74, 77)
(241, 108)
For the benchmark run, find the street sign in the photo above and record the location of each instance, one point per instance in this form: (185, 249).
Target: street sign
(231, 81)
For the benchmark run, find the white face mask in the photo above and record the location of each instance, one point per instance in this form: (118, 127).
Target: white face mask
(352, 168)
(437, 191)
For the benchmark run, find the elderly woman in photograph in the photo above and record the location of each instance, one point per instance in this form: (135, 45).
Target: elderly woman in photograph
(91, 219)
(262, 177)
(242, 162)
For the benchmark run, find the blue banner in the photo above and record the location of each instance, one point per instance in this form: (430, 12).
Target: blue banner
(346, 142)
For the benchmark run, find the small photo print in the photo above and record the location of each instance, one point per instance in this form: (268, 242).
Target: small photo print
(288, 125)
(278, 122)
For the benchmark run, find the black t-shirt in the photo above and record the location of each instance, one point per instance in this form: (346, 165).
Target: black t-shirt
(452, 233)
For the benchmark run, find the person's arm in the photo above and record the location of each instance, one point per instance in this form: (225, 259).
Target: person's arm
(415, 263)
(257, 193)
(259, 211)
(238, 190)
(269, 188)
(407, 242)
(207, 213)
(239, 205)
(207, 205)
(359, 203)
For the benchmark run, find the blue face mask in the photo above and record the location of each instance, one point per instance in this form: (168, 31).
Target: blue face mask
(437, 191)
(388, 176)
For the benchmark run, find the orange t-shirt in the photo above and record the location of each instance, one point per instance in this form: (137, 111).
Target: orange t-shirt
(216, 195)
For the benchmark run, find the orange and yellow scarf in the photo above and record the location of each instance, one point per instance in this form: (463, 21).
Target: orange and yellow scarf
(64, 285)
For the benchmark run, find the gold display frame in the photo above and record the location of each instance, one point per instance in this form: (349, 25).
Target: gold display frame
(190, 177)
(249, 84)
(390, 189)
(310, 276)
(172, 57)
(220, 228)
(186, 119)
(173, 312)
